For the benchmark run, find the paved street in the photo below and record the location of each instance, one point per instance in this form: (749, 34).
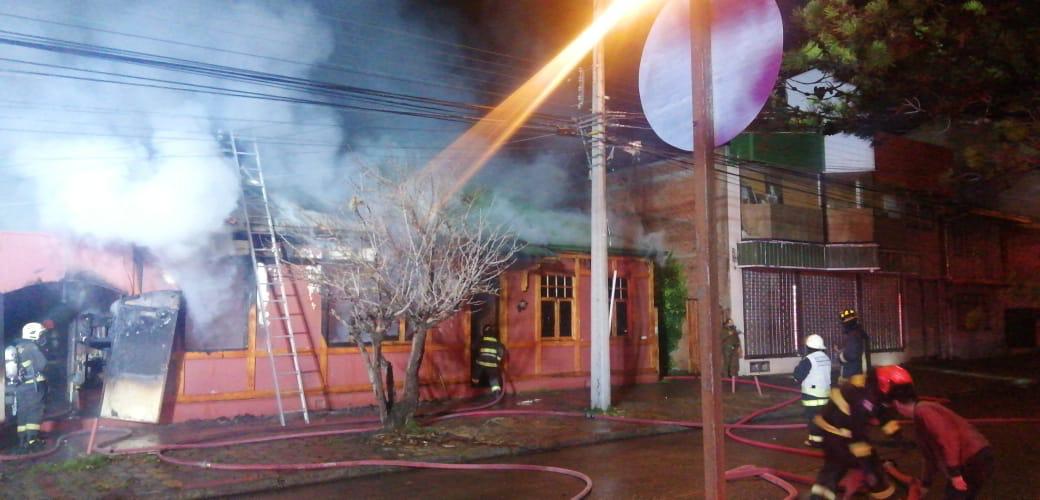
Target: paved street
(670, 466)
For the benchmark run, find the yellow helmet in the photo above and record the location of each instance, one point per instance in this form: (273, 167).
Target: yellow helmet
(847, 315)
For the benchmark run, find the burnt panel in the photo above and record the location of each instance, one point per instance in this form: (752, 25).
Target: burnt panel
(142, 339)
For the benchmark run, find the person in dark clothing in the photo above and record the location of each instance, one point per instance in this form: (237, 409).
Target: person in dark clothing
(814, 375)
(488, 361)
(845, 420)
(855, 355)
(949, 443)
(731, 351)
(29, 383)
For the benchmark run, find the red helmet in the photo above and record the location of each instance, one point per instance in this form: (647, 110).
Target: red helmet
(891, 375)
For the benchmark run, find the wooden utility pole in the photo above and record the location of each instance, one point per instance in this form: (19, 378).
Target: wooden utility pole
(599, 371)
(706, 260)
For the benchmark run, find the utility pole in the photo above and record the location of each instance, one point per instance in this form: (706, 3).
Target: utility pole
(599, 371)
(706, 260)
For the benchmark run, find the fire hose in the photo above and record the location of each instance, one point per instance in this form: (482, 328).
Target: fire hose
(777, 477)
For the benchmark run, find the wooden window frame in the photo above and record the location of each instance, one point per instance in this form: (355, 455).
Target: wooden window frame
(620, 301)
(328, 323)
(556, 289)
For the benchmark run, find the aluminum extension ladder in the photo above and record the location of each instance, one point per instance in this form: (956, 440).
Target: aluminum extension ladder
(269, 269)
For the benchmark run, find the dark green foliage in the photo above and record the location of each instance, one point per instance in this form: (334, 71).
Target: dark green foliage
(970, 69)
(670, 294)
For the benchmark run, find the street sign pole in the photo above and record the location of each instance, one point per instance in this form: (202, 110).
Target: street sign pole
(706, 250)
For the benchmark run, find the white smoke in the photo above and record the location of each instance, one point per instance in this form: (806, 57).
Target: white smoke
(131, 164)
(134, 164)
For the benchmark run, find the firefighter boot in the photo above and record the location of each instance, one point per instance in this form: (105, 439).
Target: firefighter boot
(32, 441)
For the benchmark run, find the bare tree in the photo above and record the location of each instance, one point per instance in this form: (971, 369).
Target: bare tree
(397, 251)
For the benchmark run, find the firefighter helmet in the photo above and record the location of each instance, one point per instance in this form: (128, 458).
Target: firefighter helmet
(890, 376)
(32, 331)
(847, 315)
(814, 342)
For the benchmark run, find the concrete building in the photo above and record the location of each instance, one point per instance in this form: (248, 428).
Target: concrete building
(813, 225)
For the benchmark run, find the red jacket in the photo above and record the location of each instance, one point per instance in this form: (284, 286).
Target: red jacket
(946, 440)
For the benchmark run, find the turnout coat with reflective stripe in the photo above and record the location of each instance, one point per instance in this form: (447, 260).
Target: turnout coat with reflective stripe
(848, 413)
(489, 353)
(31, 362)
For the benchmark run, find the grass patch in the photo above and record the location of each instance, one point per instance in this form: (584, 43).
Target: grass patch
(82, 464)
(611, 411)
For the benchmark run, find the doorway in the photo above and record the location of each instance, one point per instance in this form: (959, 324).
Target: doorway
(65, 304)
(483, 313)
(1020, 328)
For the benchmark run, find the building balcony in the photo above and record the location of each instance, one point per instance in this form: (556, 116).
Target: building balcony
(768, 221)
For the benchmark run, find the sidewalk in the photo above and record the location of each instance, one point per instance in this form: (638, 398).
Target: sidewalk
(67, 474)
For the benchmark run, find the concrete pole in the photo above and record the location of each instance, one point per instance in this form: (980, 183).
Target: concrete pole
(706, 250)
(599, 371)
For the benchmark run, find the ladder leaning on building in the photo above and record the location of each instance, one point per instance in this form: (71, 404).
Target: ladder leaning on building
(272, 279)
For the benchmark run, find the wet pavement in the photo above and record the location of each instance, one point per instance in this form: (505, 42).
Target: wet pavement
(670, 466)
(624, 460)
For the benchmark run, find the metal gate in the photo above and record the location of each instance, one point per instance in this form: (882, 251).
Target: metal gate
(770, 313)
(931, 318)
(879, 311)
(913, 327)
(824, 296)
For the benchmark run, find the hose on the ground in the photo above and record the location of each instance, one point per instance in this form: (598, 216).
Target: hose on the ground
(776, 477)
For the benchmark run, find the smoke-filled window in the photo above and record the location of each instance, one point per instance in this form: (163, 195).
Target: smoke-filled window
(339, 334)
(220, 322)
(557, 306)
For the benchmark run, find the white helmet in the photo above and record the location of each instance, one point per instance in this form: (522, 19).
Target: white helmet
(814, 342)
(32, 331)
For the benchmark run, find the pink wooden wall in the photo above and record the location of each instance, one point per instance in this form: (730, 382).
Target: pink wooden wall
(32, 258)
(236, 382)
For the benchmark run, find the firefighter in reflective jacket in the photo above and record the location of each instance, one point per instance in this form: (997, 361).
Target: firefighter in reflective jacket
(24, 364)
(855, 355)
(814, 373)
(844, 421)
(489, 360)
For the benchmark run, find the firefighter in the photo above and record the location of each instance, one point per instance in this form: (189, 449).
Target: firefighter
(814, 373)
(489, 360)
(855, 355)
(845, 420)
(730, 349)
(949, 443)
(29, 383)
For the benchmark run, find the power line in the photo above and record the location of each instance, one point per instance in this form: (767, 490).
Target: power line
(229, 73)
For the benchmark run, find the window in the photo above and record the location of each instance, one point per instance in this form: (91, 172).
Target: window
(774, 193)
(747, 195)
(338, 334)
(619, 327)
(228, 314)
(557, 303)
